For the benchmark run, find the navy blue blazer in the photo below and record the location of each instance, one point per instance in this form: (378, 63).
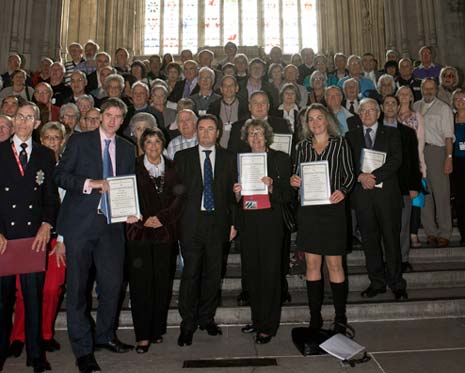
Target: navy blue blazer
(27, 201)
(81, 160)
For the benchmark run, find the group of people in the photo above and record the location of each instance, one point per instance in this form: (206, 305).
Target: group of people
(179, 127)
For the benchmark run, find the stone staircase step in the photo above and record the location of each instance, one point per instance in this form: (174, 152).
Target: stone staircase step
(422, 304)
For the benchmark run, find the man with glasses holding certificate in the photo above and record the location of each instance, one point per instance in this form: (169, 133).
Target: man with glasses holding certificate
(377, 155)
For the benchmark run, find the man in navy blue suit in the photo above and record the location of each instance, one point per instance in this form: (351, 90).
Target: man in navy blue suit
(89, 158)
(28, 207)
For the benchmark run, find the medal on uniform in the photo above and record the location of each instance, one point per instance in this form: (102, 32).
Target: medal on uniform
(40, 177)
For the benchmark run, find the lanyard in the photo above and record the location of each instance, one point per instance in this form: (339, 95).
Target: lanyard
(21, 170)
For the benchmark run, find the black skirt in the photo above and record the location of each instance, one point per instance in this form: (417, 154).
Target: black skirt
(322, 229)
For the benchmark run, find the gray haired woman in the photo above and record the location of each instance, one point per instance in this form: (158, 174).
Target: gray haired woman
(261, 227)
(138, 124)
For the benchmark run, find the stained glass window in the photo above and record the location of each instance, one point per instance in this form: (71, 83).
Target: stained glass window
(190, 19)
(271, 22)
(290, 26)
(172, 25)
(231, 21)
(309, 26)
(212, 22)
(152, 27)
(249, 23)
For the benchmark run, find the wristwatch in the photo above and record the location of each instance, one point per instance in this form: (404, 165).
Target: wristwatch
(449, 155)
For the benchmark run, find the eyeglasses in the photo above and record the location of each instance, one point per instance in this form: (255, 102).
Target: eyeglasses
(27, 118)
(5, 128)
(90, 119)
(256, 134)
(54, 138)
(368, 111)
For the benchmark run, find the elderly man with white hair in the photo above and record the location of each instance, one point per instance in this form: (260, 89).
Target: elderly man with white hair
(205, 97)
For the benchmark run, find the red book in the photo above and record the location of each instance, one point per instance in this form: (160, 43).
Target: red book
(20, 258)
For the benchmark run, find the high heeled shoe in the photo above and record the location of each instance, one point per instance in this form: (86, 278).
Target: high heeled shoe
(142, 349)
(262, 339)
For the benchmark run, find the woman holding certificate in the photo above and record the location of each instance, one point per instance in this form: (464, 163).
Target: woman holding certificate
(262, 190)
(324, 174)
(150, 241)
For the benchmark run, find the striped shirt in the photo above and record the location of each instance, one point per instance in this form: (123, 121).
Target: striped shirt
(339, 157)
(180, 143)
(71, 67)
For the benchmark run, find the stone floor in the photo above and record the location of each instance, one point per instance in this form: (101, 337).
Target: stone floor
(423, 346)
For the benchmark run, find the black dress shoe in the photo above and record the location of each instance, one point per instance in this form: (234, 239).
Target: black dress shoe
(39, 365)
(87, 364)
(212, 329)
(115, 346)
(51, 345)
(370, 292)
(16, 348)
(400, 294)
(262, 339)
(185, 338)
(249, 328)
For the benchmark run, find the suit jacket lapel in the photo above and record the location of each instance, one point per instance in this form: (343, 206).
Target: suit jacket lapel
(380, 140)
(96, 149)
(118, 156)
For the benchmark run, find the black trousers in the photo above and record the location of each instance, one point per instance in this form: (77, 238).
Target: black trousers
(379, 221)
(31, 285)
(149, 270)
(104, 247)
(201, 276)
(261, 244)
(458, 178)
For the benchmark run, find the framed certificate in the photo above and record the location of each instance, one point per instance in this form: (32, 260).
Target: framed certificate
(315, 188)
(252, 167)
(372, 160)
(123, 198)
(282, 142)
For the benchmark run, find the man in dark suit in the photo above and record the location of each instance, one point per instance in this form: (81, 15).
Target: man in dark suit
(28, 207)
(259, 105)
(208, 174)
(89, 158)
(409, 172)
(188, 86)
(378, 208)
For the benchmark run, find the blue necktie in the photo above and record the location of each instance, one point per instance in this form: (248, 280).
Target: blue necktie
(208, 200)
(107, 172)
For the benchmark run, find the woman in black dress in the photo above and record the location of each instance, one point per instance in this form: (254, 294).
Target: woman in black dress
(322, 228)
(262, 232)
(150, 241)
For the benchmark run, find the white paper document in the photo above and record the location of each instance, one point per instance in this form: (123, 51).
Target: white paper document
(372, 160)
(342, 347)
(252, 168)
(315, 188)
(282, 142)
